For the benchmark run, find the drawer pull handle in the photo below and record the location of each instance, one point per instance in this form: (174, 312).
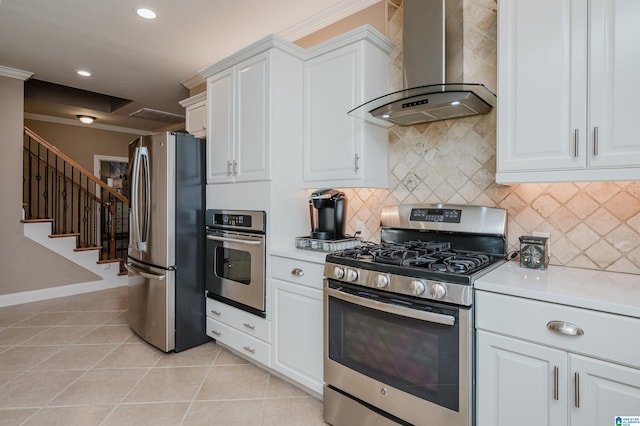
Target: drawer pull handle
(217, 333)
(297, 272)
(565, 327)
(249, 326)
(214, 312)
(249, 349)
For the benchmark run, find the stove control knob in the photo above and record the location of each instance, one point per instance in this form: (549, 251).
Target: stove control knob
(416, 287)
(338, 272)
(351, 275)
(382, 281)
(437, 290)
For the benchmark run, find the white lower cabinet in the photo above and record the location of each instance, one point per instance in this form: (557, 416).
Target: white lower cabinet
(297, 321)
(530, 375)
(241, 331)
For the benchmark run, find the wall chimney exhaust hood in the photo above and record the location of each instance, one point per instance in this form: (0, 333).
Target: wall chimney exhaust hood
(432, 49)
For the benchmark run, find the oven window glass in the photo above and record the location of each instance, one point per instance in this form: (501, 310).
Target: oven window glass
(234, 265)
(418, 357)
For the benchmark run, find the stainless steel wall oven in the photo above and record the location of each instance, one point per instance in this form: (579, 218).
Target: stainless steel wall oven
(236, 258)
(399, 317)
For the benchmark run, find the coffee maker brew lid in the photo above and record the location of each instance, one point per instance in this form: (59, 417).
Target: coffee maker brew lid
(326, 194)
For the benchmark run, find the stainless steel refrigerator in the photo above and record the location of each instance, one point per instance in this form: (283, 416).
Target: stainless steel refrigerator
(166, 240)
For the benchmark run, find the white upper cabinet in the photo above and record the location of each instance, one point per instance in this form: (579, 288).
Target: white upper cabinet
(251, 96)
(238, 142)
(196, 114)
(341, 74)
(565, 69)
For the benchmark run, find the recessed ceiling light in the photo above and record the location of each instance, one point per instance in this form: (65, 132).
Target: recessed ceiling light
(145, 13)
(84, 73)
(86, 119)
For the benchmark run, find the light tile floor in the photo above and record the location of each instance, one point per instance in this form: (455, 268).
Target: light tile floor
(75, 361)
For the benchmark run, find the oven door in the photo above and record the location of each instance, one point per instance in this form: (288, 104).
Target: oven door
(235, 273)
(411, 360)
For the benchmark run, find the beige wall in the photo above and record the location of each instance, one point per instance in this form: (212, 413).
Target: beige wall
(25, 265)
(373, 15)
(592, 225)
(82, 142)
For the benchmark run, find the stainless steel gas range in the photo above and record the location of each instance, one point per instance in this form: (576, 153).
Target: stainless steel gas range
(399, 317)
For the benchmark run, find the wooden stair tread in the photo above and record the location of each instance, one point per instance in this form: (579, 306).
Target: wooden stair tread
(70, 234)
(115, 260)
(35, 220)
(87, 248)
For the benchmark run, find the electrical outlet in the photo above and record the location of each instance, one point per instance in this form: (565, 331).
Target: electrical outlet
(360, 228)
(106, 266)
(544, 234)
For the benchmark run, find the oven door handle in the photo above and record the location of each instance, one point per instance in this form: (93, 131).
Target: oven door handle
(392, 309)
(234, 240)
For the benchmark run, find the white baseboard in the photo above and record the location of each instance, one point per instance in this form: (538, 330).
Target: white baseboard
(53, 292)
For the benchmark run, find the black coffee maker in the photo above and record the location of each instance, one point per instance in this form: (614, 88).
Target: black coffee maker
(328, 213)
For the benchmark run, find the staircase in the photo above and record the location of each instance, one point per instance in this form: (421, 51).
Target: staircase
(73, 213)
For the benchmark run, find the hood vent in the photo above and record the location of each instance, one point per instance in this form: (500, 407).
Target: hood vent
(432, 49)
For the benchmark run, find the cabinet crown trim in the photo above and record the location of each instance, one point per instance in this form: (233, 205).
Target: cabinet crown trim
(193, 99)
(269, 42)
(365, 32)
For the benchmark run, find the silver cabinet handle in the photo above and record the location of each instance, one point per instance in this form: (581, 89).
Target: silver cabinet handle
(229, 168)
(249, 349)
(555, 382)
(249, 326)
(217, 333)
(577, 388)
(576, 140)
(214, 312)
(595, 141)
(297, 272)
(564, 327)
(235, 167)
(357, 163)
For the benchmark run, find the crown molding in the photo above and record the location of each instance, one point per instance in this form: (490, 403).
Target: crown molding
(72, 122)
(193, 81)
(15, 73)
(327, 17)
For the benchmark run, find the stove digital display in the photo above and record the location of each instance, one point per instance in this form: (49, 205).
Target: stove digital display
(232, 220)
(436, 215)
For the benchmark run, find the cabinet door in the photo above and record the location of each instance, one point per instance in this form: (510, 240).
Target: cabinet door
(519, 383)
(605, 391)
(252, 139)
(298, 344)
(220, 133)
(542, 69)
(614, 64)
(332, 140)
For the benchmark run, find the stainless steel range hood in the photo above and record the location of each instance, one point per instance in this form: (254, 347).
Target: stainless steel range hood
(432, 50)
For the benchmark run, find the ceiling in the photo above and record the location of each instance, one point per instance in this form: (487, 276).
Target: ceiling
(143, 61)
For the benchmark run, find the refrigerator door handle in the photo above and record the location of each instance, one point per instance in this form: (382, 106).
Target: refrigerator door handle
(134, 237)
(132, 268)
(138, 236)
(144, 156)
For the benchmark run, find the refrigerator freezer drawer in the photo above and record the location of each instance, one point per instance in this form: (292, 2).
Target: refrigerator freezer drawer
(152, 304)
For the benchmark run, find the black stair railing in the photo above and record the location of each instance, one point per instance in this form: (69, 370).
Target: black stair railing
(58, 189)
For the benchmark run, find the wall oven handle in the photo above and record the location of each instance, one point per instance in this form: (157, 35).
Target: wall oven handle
(234, 240)
(393, 309)
(132, 268)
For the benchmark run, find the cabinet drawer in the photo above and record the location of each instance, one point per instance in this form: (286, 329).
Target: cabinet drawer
(297, 271)
(243, 321)
(606, 336)
(250, 347)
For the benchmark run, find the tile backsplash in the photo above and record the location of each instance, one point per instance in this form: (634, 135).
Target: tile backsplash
(592, 225)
